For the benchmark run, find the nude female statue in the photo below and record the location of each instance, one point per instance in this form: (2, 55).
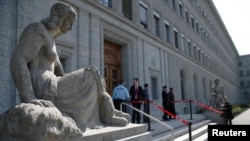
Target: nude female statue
(38, 74)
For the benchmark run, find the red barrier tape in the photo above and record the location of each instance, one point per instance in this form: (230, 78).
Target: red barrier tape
(207, 107)
(201, 105)
(138, 101)
(184, 101)
(165, 111)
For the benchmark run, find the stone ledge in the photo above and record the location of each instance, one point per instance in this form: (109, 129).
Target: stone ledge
(114, 133)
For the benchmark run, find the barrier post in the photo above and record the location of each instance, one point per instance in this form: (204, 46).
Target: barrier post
(190, 104)
(190, 131)
(149, 126)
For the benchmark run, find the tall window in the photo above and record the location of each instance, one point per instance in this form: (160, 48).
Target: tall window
(242, 84)
(195, 56)
(189, 49)
(157, 25)
(197, 27)
(241, 73)
(248, 84)
(182, 43)
(182, 78)
(176, 39)
(240, 63)
(167, 32)
(192, 21)
(107, 3)
(173, 4)
(203, 58)
(143, 15)
(187, 16)
(245, 63)
(127, 8)
(246, 95)
(199, 55)
(180, 10)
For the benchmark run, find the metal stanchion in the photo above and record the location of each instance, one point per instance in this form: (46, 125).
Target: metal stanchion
(149, 122)
(190, 131)
(190, 103)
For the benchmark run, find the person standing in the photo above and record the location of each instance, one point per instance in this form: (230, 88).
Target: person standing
(165, 101)
(171, 103)
(227, 114)
(146, 99)
(120, 94)
(136, 96)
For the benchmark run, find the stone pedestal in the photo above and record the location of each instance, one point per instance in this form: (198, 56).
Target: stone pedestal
(215, 117)
(136, 132)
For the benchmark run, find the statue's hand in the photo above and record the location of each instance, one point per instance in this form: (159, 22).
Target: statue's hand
(96, 127)
(43, 103)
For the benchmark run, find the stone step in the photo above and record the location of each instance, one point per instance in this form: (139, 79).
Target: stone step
(147, 136)
(198, 134)
(115, 133)
(203, 137)
(182, 133)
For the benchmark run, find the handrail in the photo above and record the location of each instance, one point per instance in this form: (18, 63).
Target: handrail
(151, 117)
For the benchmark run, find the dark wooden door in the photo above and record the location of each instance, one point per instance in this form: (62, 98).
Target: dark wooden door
(112, 65)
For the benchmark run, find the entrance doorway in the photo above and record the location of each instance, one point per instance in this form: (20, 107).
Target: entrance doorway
(112, 65)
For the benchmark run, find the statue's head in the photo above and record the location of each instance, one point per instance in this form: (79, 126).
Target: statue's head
(62, 15)
(217, 81)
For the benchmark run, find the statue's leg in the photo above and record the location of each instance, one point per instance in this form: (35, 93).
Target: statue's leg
(77, 95)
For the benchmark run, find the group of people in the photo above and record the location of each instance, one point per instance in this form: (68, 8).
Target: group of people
(136, 94)
(168, 103)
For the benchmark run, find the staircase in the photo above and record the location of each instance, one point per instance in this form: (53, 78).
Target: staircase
(199, 132)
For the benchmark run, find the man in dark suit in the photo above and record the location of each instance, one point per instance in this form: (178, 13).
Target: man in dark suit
(136, 93)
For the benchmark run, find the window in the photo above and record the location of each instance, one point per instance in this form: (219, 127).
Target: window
(197, 27)
(192, 21)
(201, 32)
(248, 73)
(167, 32)
(127, 8)
(189, 49)
(240, 63)
(241, 73)
(203, 58)
(245, 63)
(176, 38)
(194, 49)
(199, 55)
(187, 16)
(182, 43)
(246, 95)
(143, 15)
(107, 3)
(173, 4)
(202, 13)
(248, 84)
(180, 10)
(157, 24)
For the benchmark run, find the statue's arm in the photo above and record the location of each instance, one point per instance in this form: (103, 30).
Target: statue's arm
(25, 52)
(58, 67)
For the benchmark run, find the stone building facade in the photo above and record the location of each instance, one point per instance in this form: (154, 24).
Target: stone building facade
(179, 43)
(244, 74)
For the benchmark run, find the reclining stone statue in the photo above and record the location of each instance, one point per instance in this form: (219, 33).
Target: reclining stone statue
(80, 96)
